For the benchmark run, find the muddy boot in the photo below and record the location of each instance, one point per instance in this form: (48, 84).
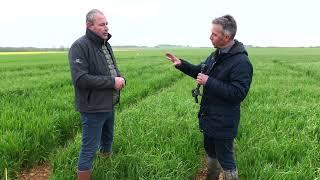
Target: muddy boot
(214, 169)
(230, 175)
(84, 175)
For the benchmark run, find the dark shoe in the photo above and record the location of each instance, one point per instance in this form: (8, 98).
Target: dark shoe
(84, 175)
(214, 169)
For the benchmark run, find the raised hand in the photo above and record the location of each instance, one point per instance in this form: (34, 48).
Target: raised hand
(176, 61)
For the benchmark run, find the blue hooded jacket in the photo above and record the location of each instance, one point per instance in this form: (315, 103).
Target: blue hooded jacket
(230, 76)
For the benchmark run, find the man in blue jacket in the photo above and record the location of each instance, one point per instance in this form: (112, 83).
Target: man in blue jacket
(226, 81)
(97, 83)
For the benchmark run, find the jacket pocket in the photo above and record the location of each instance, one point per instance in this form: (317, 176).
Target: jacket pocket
(100, 99)
(220, 120)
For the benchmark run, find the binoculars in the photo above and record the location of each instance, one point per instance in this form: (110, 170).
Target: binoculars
(196, 92)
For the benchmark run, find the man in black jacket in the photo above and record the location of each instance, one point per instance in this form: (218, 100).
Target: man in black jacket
(97, 84)
(226, 81)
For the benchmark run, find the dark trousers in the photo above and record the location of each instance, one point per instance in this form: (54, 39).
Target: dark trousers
(221, 149)
(97, 133)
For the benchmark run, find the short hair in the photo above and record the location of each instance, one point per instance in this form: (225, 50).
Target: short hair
(90, 15)
(228, 24)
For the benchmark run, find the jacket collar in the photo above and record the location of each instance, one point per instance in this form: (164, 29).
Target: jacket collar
(237, 48)
(95, 38)
(227, 48)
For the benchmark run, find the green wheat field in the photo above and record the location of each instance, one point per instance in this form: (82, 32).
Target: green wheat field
(156, 128)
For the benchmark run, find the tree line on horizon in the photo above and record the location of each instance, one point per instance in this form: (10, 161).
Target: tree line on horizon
(62, 48)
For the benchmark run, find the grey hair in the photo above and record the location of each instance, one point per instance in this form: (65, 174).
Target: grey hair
(228, 24)
(91, 13)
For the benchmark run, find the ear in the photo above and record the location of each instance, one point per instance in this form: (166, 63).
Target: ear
(227, 37)
(89, 25)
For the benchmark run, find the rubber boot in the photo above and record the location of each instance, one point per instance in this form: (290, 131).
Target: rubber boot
(84, 175)
(230, 175)
(214, 169)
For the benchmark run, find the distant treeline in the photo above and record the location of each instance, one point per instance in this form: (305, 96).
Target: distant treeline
(157, 46)
(26, 49)
(30, 49)
(129, 46)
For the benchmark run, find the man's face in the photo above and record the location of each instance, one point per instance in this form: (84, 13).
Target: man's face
(99, 26)
(218, 38)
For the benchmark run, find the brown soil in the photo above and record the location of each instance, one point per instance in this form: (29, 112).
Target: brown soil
(40, 172)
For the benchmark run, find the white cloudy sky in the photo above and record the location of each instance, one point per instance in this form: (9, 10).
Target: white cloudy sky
(52, 23)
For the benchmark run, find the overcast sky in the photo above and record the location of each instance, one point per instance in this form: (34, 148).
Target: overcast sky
(44, 23)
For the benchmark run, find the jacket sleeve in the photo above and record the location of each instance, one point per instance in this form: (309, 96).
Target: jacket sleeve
(235, 90)
(189, 69)
(80, 72)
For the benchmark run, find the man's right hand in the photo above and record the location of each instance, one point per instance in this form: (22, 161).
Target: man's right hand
(119, 83)
(176, 61)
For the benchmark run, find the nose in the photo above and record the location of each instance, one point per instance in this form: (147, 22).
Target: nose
(106, 28)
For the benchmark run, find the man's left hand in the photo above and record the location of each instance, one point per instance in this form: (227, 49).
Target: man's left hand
(202, 79)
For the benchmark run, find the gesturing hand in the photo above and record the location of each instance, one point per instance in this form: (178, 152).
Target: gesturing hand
(176, 61)
(202, 79)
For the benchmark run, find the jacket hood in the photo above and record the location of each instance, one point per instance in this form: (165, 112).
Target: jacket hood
(237, 48)
(95, 38)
